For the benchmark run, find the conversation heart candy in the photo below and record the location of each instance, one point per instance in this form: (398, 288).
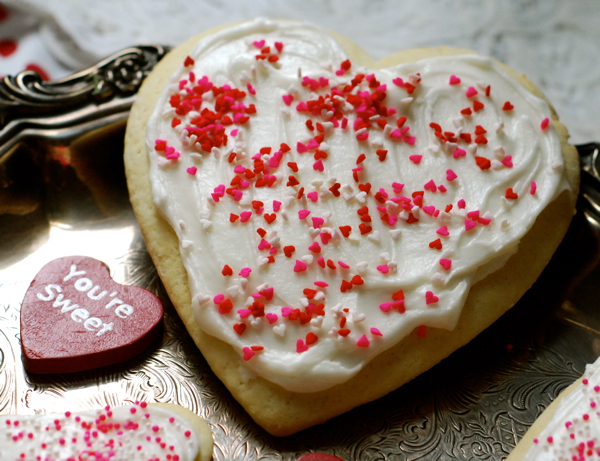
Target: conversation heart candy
(74, 317)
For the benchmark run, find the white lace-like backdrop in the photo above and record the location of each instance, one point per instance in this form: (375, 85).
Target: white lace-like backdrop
(554, 42)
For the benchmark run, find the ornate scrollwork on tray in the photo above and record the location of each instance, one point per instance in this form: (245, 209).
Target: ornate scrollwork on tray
(118, 75)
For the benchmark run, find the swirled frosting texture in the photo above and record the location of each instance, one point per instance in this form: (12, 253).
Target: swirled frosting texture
(326, 211)
(137, 432)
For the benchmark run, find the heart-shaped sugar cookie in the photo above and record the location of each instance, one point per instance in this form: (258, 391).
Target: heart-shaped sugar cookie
(75, 317)
(355, 207)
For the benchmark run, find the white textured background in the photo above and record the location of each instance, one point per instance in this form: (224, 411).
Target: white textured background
(555, 42)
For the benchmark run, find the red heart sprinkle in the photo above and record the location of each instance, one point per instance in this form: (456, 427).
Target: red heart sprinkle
(345, 230)
(357, 280)
(311, 338)
(477, 106)
(239, 328)
(483, 163)
(507, 106)
(510, 194)
(365, 187)
(364, 229)
(227, 271)
(75, 317)
(362, 211)
(398, 296)
(270, 217)
(289, 250)
(437, 244)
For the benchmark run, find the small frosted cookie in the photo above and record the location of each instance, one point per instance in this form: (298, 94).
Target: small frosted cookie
(569, 429)
(329, 227)
(75, 317)
(162, 432)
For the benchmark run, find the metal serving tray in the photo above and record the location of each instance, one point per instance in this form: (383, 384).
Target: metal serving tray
(63, 192)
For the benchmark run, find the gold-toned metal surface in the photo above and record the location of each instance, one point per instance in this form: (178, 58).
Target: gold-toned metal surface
(57, 200)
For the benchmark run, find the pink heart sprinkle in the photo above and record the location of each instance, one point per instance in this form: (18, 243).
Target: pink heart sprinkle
(471, 92)
(234, 132)
(410, 140)
(429, 210)
(263, 245)
(312, 144)
(533, 188)
(300, 266)
(259, 43)
(459, 153)
(315, 247)
(416, 159)
(245, 216)
(245, 272)
(450, 175)
(276, 205)
(545, 123)
(363, 341)
(272, 318)
(461, 204)
(397, 187)
(192, 170)
(244, 313)
(385, 307)
(442, 189)
(344, 265)
(446, 263)
(285, 311)
(469, 224)
(218, 299)
(287, 99)
(454, 80)
(303, 213)
(248, 353)
(318, 166)
(430, 186)
(506, 161)
(396, 134)
(317, 222)
(300, 346)
(443, 231)
(321, 284)
(430, 298)
(384, 268)
(313, 196)
(321, 262)
(398, 82)
(376, 332)
(300, 147)
(244, 184)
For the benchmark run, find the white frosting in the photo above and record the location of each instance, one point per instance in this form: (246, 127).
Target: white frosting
(522, 152)
(123, 433)
(574, 430)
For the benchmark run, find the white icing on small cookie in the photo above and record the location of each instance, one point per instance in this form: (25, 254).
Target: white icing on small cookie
(573, 433)
(139, 432)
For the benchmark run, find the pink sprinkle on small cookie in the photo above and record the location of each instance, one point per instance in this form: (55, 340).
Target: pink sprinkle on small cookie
(303, 213)
(416, 159)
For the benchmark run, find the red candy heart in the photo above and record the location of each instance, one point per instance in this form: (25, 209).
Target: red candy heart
(75, 317)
